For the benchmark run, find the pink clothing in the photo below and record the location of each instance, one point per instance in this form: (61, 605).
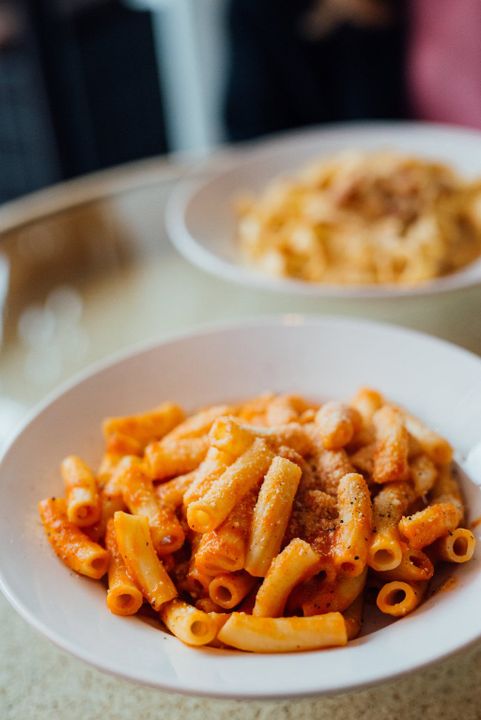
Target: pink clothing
(444, 62)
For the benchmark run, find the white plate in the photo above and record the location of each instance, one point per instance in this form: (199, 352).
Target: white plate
(325, 357)
(201, 221)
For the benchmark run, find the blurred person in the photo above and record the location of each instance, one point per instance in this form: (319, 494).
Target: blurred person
(72, 6)
(10, 24)
(325, 15)
(444, 61)
(27, 160)
(299, 62)
(79, 90)
(103, 89)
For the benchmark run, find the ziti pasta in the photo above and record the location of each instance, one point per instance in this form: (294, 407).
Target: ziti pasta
(260, 526)
(363, 218)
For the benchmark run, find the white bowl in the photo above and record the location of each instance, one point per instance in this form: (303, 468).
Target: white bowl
(200, 214)
(324, 357)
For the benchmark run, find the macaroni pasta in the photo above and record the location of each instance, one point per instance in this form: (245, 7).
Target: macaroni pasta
(259, 526)
(363, 218)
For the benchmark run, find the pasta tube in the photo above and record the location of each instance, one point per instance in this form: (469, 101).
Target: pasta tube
(70, 544)
(172, 492)
(230, 589)
(109, 504)
(170, 457)
(228, 435)
(224, 549)
(114, 484)
(107, 466)
(284, 409)
(208, 606)
(271, 514)
(337, 424)
(123, 596)
(140, 497)
(289, 634)
(232, 436)
(254, 410)
(363, 459)
(367, 401)
(446, 489)
(136, 548)
(200, 423)
(415, 566)
(293, 435)
(435, 446)
(426, 526)
(391, 455)
(424, 474)
(219, 618)
(83, 504)
(391, 502)
(212, 467)
(211, 510)
(355, 525)
(293, 565)
(192, 626)
(308, 416)
(118, 445)
(457, 547)
(331, 466)
(399, 598)
(145, 427)
(195, 583)
(320, 595)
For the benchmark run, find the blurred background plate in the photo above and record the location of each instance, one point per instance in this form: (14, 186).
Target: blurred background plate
(201, 218)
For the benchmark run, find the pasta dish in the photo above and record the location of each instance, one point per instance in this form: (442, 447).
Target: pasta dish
(265, 525)
(364, 218)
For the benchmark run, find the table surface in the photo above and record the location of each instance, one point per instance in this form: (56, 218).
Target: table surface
(86, 270)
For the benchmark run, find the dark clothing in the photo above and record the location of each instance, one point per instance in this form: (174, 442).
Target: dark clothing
(281, 79)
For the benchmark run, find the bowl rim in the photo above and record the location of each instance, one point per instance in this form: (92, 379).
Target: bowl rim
(204, 331)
